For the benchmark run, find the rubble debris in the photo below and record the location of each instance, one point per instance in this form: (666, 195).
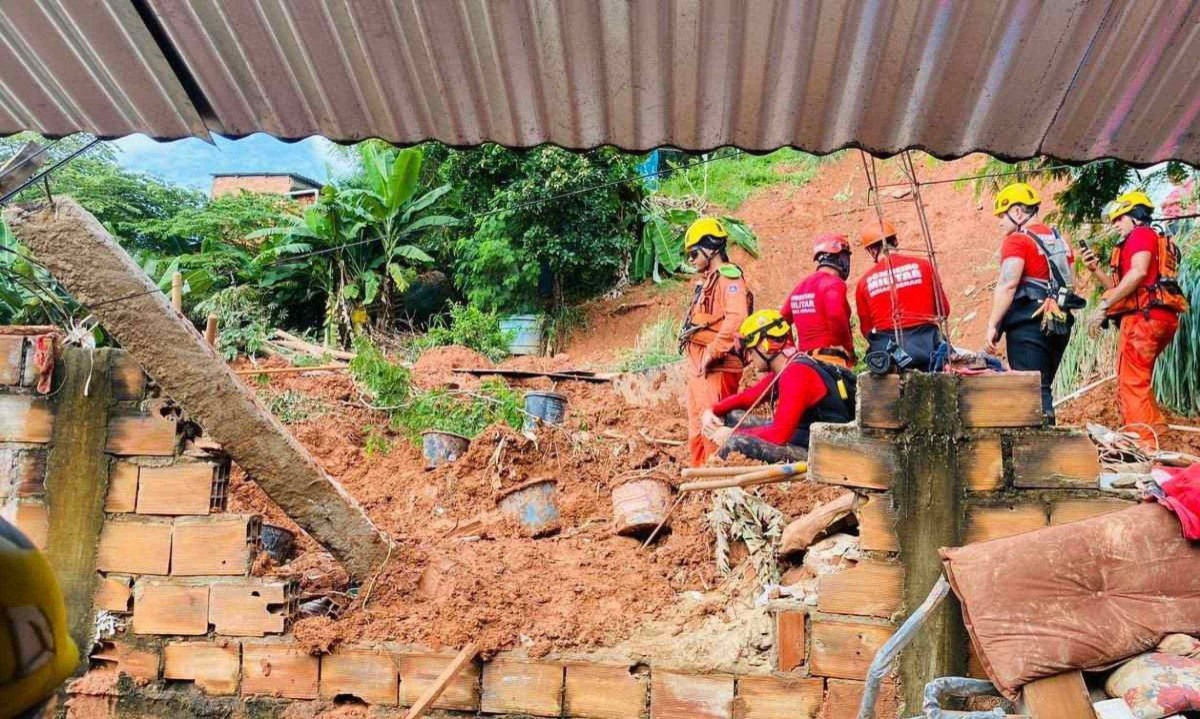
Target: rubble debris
(802, 532)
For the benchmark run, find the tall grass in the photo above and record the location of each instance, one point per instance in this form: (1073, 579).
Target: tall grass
(1086, 358)
(1177, 374)
(657, 345)
(727, 182)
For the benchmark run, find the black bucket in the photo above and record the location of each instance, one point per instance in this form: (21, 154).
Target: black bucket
(442, 447)
(278, 543)
(545, 407)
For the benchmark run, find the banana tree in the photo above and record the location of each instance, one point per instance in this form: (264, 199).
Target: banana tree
(387, 197)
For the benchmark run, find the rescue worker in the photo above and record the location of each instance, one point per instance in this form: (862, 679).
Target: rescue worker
(807, 390)
(1033, 299)
(899, 292)
(720, 303)
(1144, 297)
(36, 652)
(818, 308)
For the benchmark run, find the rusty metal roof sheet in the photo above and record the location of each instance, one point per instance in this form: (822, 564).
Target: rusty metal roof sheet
(1077, 79)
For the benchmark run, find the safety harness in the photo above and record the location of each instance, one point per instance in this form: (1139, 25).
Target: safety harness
(1165, 293)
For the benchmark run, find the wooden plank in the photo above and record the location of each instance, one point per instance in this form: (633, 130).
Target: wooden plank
(843, 697)
(778, 698)
(994, 522)
(181, 488)
(870, 588)
(122, 487)
(845, 650)
(690, 696)
(1007, 399)
(790, 640)
(466, 656)
(218, 545)
(879, 401)
(877, 524)
(1063, 696)
(213, 667)
(252, 608)
(1073, 510)
(840, 455)
(114, 593)
(25, 418)
(135, 547)
(140, 661)
(128, 379)
(981, 463)
(1053, 459)
(280, 670)
(12, 349)
(516, 687)
(419, 671)
(803, 531)
(141, 434)
(604, 691)
(162, 607)
(363, 673)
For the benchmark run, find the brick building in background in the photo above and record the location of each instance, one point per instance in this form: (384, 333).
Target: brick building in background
(298, 187)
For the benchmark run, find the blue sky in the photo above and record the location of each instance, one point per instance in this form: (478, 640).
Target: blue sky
(192, 161)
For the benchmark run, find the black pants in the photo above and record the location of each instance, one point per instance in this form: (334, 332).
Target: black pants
(760, 449)
(919, 342)
(1030, 350)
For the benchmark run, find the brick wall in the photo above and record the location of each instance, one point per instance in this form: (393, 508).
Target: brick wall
(266, 184)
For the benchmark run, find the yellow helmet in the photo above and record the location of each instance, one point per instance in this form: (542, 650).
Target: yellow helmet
(36, 652)
(1018, 193)
(701, 228)
(762, 326)
(1125, 203)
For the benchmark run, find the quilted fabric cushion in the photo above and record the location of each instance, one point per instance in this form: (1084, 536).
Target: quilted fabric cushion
(1083, 595)
(1156, 684)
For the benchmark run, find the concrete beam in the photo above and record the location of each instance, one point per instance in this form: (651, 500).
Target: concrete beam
(90, 264)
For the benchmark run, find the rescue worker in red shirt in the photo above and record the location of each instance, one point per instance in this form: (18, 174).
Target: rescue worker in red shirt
(1144, 297)
(1033, 297)
(818, 308)
(802, 389)
(899, 292)
(720, 303)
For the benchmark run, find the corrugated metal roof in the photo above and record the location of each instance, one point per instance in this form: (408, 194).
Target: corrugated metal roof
(1077, 79)
(87, 66)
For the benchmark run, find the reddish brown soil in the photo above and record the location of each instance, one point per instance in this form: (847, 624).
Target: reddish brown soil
(583, 587)
(1100, 407)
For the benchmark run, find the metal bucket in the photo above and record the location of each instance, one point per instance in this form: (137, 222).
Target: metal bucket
(278, 543)
(534, 505)
(526, 334)
(548, 407)
(639, 506)
(442, 447)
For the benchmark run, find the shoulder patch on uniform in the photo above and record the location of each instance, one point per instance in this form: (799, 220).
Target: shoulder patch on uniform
(733, 272)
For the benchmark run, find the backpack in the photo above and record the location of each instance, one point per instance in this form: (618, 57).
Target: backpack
(1165, 293)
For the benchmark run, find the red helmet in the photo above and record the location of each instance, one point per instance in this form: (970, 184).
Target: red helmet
(830, 243)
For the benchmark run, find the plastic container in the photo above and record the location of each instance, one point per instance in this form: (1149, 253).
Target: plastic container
(278, 543)
(639, 506)
(534, 504)
(442, 447)
(527, 332)
(547, 407)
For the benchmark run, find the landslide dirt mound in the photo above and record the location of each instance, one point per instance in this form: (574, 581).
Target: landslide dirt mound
(452, 579)
(1100, 407)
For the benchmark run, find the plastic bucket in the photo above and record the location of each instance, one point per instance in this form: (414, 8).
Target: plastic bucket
(639, 506)
(548, 407)
(526, 334)
(534, 505)
(278, 543)
(442, 447)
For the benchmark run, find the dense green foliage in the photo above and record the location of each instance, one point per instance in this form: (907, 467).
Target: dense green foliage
(660, 253)
(470, 327)
(1177, 373)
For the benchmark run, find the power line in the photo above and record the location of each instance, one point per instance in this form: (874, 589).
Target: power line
(46, 173)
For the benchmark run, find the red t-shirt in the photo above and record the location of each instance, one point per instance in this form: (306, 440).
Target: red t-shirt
(1142, 239)
(800, 388)
(1019, 244)
(820, 312)
(917, 291)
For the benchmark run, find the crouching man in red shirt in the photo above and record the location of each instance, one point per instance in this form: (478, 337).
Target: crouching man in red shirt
(802, 389)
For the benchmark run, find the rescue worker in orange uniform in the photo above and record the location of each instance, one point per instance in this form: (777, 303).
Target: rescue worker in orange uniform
(1144, 297)
(818, 308)
(708, 340)
(899, 292)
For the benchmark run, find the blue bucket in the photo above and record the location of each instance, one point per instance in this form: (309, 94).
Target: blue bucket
(526, 334)
(534, 505)
(544, 407)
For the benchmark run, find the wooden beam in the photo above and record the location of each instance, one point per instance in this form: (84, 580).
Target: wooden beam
(426, 700)
(1062, 696)
(90, 264)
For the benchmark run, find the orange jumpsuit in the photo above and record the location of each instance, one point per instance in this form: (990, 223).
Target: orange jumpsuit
(714, 372)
